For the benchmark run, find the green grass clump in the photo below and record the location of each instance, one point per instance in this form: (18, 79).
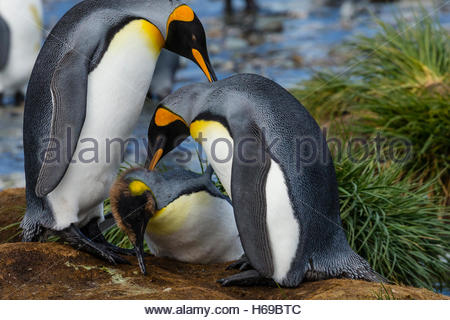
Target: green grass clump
(398, 83)
(391, 221)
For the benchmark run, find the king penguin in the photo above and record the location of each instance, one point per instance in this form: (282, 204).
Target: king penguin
(180, 214)
(20, 41)
(273, 161)
(86, 92)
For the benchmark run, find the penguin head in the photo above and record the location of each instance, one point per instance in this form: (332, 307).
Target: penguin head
(166, 131)
(186, 37)
(132, 205)
(170, 124)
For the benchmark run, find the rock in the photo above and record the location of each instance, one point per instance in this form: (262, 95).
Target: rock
(234, 43)
(57, 271)
(270, 24)
(60, 272)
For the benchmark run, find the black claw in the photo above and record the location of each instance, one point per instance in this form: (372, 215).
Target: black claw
(93, 232)
(242, 264)
(78, 240)
(246, 278)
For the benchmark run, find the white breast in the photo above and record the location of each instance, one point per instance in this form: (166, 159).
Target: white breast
(197, 228)
(24, 19)
(115, 96)
(282, 226)
(218, 146)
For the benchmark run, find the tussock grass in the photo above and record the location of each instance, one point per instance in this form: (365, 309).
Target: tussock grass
(398, 83)
(391, 221)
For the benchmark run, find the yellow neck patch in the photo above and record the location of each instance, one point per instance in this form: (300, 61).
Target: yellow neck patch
(164, 117)
(146, 31)
(137, 188)
(208, 128)
(182, 13)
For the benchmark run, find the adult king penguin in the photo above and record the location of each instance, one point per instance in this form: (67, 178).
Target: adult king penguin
(85, 95)
(272, 159)
(181, 215)
(20, 41)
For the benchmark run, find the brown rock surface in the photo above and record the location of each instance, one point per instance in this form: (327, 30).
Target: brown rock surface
(56, 271)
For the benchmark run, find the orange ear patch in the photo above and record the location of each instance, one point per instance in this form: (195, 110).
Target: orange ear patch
(164, 117)
(182, 13)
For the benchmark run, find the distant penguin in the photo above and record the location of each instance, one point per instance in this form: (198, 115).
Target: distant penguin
(85, 95)
(20, 41)
(164, 76)
(273, 161)
(181, 215)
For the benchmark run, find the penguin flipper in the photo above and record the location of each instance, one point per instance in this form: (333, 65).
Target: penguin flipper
(5, 38)
(209, 171)
(249, 203)
(69, 90)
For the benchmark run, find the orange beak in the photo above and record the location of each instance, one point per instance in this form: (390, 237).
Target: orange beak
(156, 157)
(204, 65)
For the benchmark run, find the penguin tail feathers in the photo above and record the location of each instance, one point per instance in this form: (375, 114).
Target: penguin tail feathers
(361, 270)
(209, 172)
(344, 266)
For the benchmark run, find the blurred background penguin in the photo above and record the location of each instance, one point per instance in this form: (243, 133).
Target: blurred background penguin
(20, 41)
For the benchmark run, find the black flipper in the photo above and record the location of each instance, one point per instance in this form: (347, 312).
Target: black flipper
(69, 90)
(249, 198)
(92, 231)
(209, 172)
(79, 241)
(242, 264)
(246, 279)
(5, 41)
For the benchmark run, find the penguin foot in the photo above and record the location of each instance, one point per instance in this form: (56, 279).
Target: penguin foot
(92, 231)
(246, 279)
(108, 223)
(242, 264)
(78, 240)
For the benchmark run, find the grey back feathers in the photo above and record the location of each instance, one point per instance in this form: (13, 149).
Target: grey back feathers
(5, 38)
(170, 185)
